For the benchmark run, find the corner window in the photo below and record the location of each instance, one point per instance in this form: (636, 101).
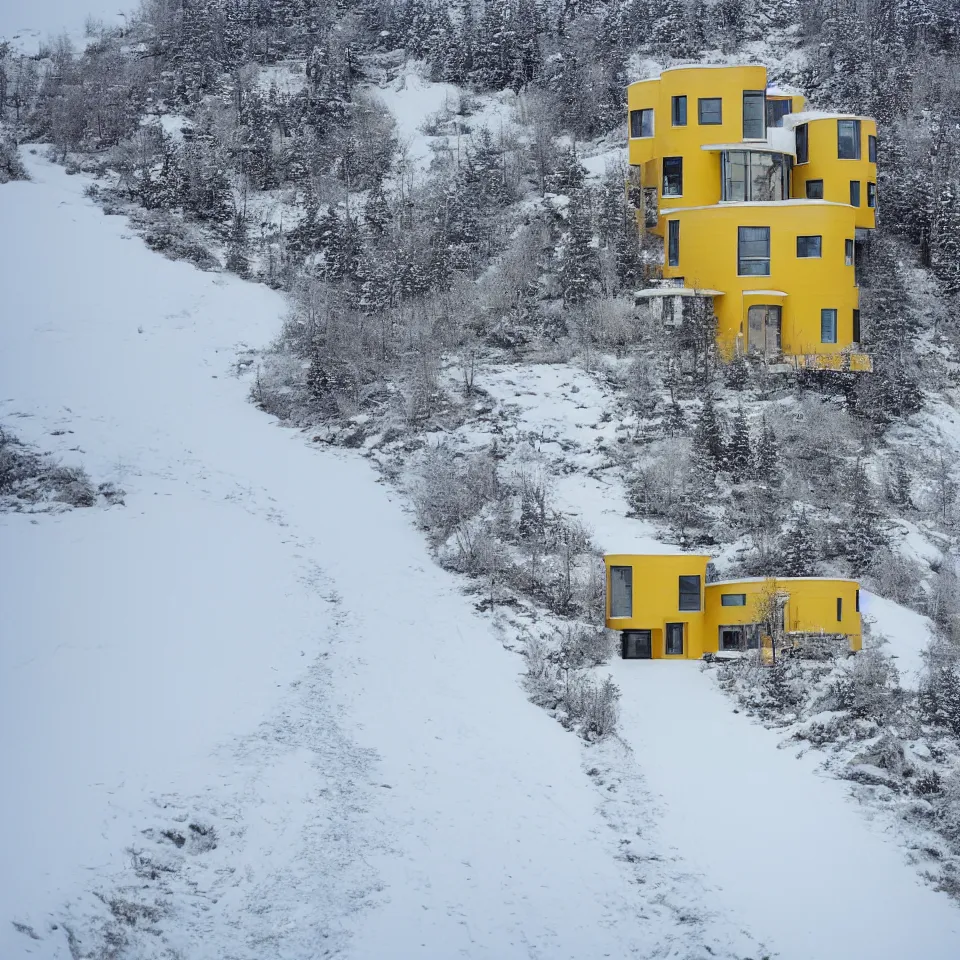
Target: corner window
(710, 110)
(673, 640)
(753, 251)
(854, 193)
(673, 176)
(733, 599)
(621, 592)
(828, 326)
(803, 144)
(871, 194)
(689, 593)
(678, 111)
(754, 114)
(641, 124)
(809, 246)
(848, 249)
(673, 243)
(839, 609)
(848, 139)
(872, 149)
(814, 189)
(856, 333)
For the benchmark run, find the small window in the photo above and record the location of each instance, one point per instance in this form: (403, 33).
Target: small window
(673, 243)
(754, 114)
(848, 252)
(857, 607)
(641, 124)
(854, 193)
(814, 189)
(673, 642)
(689, 593)
(872, 149)
(856, 333)
(621, 592)
(710, 110)
(848, 139)
(871, 194)
(809, 246)
(733, 599)
(776, 111)
(753, 251)
(673, 176)
(839, 609)
(678, 111)
(828, 326)
(803, 144)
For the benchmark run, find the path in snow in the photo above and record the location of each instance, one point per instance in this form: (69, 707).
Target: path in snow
(820, 881)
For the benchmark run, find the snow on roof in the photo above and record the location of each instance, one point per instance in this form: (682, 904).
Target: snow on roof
(712, 66)
(729, 583)
(677, 292)
(756, 146)
(792, 120)
(792, 202)
(765, 293)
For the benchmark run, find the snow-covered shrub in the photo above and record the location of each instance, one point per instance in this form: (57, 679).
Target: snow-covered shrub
(450, 489)
(867, 687)
(73, 486)
(583, 646)
(540, 679)
(896, 577)
(948, 807)
(11, 166)
(940, 687)
(591, 705)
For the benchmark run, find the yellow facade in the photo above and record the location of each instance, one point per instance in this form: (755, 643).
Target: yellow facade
(715, 155)
(651, 601)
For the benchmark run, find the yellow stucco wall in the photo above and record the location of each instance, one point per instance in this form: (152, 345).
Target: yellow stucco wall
(708, 260)
(836, 174)
(811, 605)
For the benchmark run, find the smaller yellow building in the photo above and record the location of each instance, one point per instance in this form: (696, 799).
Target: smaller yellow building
(664, 608)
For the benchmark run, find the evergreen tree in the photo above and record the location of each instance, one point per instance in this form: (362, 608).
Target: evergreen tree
(579, 271)
(739, 453)
(945, 253)
(708, 437)
(767, 457)
(798, 547)
(238, 254)
(864, 531)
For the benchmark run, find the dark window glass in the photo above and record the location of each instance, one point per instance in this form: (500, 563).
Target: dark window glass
(678, 111)
(803, 144)
(733, 599)
(858, 597)
(848, 139)
(848, 248)
(814, 189)
(856, 332)
(621, 592)
(641, 123)
(839, 609)
(871, 194)
(776, 111)
(828, 326)
(710, 110)
(753, 251)
(689, 593)
(673, 176)
(809, 246)
(872, 149)
(854, 193)
(673, 243)
(754, 114)
(673, 642)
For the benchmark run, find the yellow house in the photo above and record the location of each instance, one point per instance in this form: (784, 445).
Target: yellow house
(664, 608)
(759, 204)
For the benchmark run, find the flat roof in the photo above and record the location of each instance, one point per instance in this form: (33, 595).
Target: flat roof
(764, 204)
(730, 583)
(678, 292)
(752, 146)
(764, 293)
(792, 120)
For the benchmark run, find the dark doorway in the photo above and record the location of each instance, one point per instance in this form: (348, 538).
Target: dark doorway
(636, 645)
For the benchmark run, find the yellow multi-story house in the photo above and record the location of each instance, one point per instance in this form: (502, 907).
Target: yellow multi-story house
(663, 607)
(759, 203)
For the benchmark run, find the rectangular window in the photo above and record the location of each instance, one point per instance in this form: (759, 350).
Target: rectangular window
(872, 149)
(809, 246)
(854, 193)
(733, 599)
(710, 110)
(848, 139)
(858, 602)
(776, 111)
(673, 243)
(621, 592)
(848, 248)
(678, 111)
(736, 167)
(856, 330)
(828, 326)
(814, 189)
(673, 642)
(641, 123)
(754, 114)
(673, 176)
(689, 593)
(871, 194)
(839, 609)
(753, 251)
(803, 144)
